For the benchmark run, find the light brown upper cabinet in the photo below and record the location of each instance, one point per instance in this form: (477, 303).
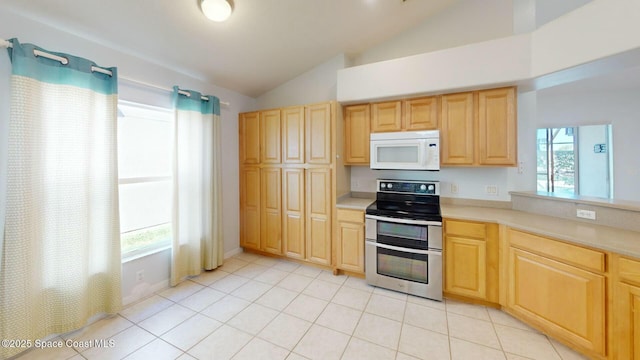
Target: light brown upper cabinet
(457, 129)
(420, 114)
(293, 135)
(406, 115)
(249, 129)
(356, 134)
(479, 128)
(270, 136)
(497, 133)
(386, 116)
(318, 133)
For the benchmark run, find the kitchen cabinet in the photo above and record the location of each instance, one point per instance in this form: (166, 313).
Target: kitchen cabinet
(457, 129)
(479, 128)
(250, 208)
(293, 138)
(249, 129)
(270, 137)
(626, 309)
(287, 185)
(406, 115)
(350, 240)
(497, 133)
(356, 134)
(420, 114)
(386, 116)
(471, 259)
(559, 288)
(318, 217)
(293, 225)
(318, 134)
(270, 211)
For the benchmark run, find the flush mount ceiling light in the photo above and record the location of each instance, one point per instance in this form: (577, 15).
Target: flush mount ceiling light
(216, 10)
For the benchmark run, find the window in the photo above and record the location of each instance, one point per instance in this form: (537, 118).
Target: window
(145, 180)
(575, 160)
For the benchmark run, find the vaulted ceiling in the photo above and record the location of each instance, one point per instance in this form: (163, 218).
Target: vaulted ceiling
(264, 44)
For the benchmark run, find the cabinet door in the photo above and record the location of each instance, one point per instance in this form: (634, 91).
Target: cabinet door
(350, 241)
(318, 133)
(627, 315)
(270, 136)
(271, 209)
(249, 129)
(386, 116)
(421, 114)
(356, 135)
(293, 135)
(293, 213)
(318, 220)
(566, 301)
(250, 208)
(497, 133)
(457, 129)
(466, 266)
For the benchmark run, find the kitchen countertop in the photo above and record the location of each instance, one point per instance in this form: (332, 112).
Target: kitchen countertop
(353, 203)
(624, 242)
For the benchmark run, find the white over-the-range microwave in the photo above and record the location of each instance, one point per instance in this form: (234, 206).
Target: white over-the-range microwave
(407, 150)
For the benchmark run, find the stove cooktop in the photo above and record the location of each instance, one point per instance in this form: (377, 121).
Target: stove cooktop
(416, 200)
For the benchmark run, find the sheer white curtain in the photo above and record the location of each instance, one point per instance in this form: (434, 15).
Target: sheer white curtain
(61, 245)
(197, 200)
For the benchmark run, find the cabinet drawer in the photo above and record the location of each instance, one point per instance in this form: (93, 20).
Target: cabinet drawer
(355, 216)
(582, 257)
(629, 270)
(465, 228)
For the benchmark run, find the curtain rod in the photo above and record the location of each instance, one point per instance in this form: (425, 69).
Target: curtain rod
(64, 61)
(166, 89)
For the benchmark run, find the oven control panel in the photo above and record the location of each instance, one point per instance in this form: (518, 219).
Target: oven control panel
(409, 187)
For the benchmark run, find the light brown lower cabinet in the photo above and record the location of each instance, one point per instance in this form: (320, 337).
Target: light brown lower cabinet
(471, 259)
(250, 206)
(271, 211)
(318, 219)
(626, 310)
(560, 288)
(293, 214)
(350, 240)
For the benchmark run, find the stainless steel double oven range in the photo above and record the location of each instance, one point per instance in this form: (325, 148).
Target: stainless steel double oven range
(403, 248)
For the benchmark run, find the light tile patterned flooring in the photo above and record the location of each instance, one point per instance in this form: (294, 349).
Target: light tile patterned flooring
(256, 307)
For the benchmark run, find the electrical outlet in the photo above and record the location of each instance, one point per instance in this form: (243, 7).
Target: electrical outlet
(521, 167)
(586, 214)
(491, 190)
(454, 188)
(140, 276)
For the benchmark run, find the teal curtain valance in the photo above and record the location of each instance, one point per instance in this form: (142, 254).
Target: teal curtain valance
(77, 72)
(194, 101)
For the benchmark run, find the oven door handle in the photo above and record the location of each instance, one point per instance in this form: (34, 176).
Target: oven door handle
(403, 221)
(405, 250)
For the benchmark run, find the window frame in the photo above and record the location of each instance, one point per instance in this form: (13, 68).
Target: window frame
(159, 245)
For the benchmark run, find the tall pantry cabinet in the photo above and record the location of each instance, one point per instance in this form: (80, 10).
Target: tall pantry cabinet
(287, 181)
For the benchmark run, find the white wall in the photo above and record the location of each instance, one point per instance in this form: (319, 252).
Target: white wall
(621, 109)
(315, 85)
(26, 30)
(593, 168)
(457, 25)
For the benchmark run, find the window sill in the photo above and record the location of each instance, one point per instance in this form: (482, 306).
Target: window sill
(146, 253)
